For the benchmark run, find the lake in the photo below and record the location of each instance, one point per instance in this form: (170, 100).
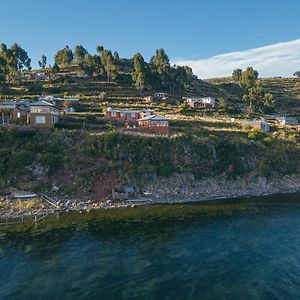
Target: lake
(246, 249)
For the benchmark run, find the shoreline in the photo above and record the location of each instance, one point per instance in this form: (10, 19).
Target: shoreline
(78, 206)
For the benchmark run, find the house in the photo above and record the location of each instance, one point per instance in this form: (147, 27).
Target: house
(15, 110)
(6, 106)
(154, 123)
(146, 113)
(43, 114)
(259, 125)
(205, 102)
(149, 99)
(161, 96)
(290, 121)
(66, 104)
(129, 116)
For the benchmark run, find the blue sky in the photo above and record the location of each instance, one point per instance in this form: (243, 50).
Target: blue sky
(188, 30)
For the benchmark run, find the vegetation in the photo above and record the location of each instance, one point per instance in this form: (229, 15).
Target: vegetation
(43, 61)
(92, 150)
(64, 56)
(79, 162)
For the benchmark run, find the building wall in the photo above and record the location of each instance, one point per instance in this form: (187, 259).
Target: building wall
(129, 117)
(50, 120)
(114, 115)
(154, 126)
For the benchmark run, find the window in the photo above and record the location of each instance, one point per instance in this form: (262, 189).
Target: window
(40, 120)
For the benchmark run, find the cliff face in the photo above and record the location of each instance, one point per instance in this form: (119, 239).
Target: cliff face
(74, 163)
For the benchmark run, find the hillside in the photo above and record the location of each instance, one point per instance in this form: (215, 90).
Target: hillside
(286, 92)
(93, 155)
(81, 163)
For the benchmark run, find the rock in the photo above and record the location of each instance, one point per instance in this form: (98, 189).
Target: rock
(55, 188)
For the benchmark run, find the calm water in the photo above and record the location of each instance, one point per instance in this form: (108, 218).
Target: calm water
(240, 253)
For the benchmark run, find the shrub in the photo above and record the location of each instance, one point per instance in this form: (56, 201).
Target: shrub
(254, 134)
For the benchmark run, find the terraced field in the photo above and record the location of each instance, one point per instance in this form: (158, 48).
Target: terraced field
(286, 92)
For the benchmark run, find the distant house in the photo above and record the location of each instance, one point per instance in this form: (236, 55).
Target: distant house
(154, 123)
(6, 106)
(290, 121)
(15, 110)
(205, 102)
(149, 99)
(66, 104)
(43, 114)
(129, 116)
(259, 125)
(160, 96)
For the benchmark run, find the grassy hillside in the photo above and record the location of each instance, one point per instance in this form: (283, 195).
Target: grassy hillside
(92, 155)
(82, 163)
(286, 92)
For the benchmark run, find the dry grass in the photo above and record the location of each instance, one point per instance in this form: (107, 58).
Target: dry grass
(21, 204)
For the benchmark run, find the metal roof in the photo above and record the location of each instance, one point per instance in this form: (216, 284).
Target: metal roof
(253, 123)
(154, 118)
(41, 103)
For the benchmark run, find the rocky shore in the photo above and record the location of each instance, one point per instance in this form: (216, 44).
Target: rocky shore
(185, 188)
(178, 189)
(11, 209)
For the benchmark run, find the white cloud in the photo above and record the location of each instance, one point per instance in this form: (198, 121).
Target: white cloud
(281, 59)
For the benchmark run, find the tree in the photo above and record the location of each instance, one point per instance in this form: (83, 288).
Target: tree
(99, 71)
(43, 61)
(116, 56)
(177, 78)
(79, 53)
(109, 65)
(55, 68)
(160, 62)
(99, 49)
(249, 78)
(223, 103)
(22, 59)
(64, 56)
(139, 72)
(297, 74)
(258, 100)
(88, 65)
(160, 67)
(237, 74)
(3, 71)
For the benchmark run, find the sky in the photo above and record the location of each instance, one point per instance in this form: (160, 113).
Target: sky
(211, 36)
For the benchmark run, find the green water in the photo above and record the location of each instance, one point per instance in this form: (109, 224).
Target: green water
(239, 250)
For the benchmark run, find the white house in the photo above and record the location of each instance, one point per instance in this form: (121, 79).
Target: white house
(161, 96)
(287, 121)
(206, 102)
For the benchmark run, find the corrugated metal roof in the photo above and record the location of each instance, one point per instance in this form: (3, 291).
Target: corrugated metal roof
(253, 123)
(41, 103)
(154, 118)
